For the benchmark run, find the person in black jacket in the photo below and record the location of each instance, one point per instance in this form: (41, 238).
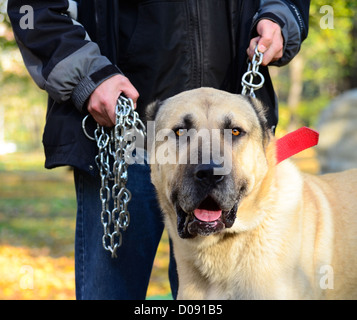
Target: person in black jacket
(86, 53)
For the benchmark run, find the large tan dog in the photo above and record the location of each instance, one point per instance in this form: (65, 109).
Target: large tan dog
(262, 230)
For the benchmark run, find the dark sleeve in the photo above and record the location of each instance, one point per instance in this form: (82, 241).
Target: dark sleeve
(57, 50)
(293, 19)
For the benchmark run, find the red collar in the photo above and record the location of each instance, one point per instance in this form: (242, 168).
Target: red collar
(295, 142)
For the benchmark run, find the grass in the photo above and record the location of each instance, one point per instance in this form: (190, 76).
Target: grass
(37, 226)
(37, 208)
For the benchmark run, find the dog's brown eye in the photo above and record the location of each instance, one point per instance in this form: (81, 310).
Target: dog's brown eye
(180, 132)
(236, 132)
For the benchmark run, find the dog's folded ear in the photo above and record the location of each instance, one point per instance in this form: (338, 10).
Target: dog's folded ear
(152, 109)
(261, 110)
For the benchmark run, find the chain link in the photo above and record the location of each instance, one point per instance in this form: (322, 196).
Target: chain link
(115, 148)
(248, 85)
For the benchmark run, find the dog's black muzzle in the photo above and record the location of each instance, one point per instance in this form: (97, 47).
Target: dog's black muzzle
(206, 202)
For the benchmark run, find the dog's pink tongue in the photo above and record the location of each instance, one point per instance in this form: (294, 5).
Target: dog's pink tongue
(207, 215)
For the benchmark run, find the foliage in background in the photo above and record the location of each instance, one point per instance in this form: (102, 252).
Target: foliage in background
(326, 63)
(22, 104)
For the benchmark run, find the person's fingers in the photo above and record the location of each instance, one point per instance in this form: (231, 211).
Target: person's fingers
(269, 40)
(102, 108)
(102, 102)
(252, 45)
(130, 92)
(266, 38)
(273, 53)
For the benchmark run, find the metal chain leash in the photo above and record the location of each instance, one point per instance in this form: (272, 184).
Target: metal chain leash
(115, 146)
(248, 85)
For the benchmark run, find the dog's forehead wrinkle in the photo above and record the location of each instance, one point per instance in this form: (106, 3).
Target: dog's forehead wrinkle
(227, 121)
(235, 112)
(208, 104)
(188, 120)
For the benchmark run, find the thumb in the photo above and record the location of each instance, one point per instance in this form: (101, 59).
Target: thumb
(264, 43)
(266, 32)
(130, 92)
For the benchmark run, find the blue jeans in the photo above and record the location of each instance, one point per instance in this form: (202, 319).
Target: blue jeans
(98, 275)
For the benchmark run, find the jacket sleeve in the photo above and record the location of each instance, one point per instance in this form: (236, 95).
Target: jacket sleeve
(292, 17)
(57, 51)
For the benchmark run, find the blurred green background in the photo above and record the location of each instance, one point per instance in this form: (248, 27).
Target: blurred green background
(37, 207)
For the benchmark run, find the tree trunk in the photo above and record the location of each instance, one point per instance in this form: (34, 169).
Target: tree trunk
(296, 67)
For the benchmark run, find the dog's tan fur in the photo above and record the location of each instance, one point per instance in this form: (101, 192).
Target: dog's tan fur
(295, 235)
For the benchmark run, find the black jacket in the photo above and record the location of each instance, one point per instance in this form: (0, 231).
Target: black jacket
(163, 47)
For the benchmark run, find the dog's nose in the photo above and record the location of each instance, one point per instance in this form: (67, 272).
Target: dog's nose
(205, 173)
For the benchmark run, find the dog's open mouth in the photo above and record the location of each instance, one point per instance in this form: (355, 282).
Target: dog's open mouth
(208, 218)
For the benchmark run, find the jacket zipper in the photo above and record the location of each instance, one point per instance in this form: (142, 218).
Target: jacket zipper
(196, 43)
